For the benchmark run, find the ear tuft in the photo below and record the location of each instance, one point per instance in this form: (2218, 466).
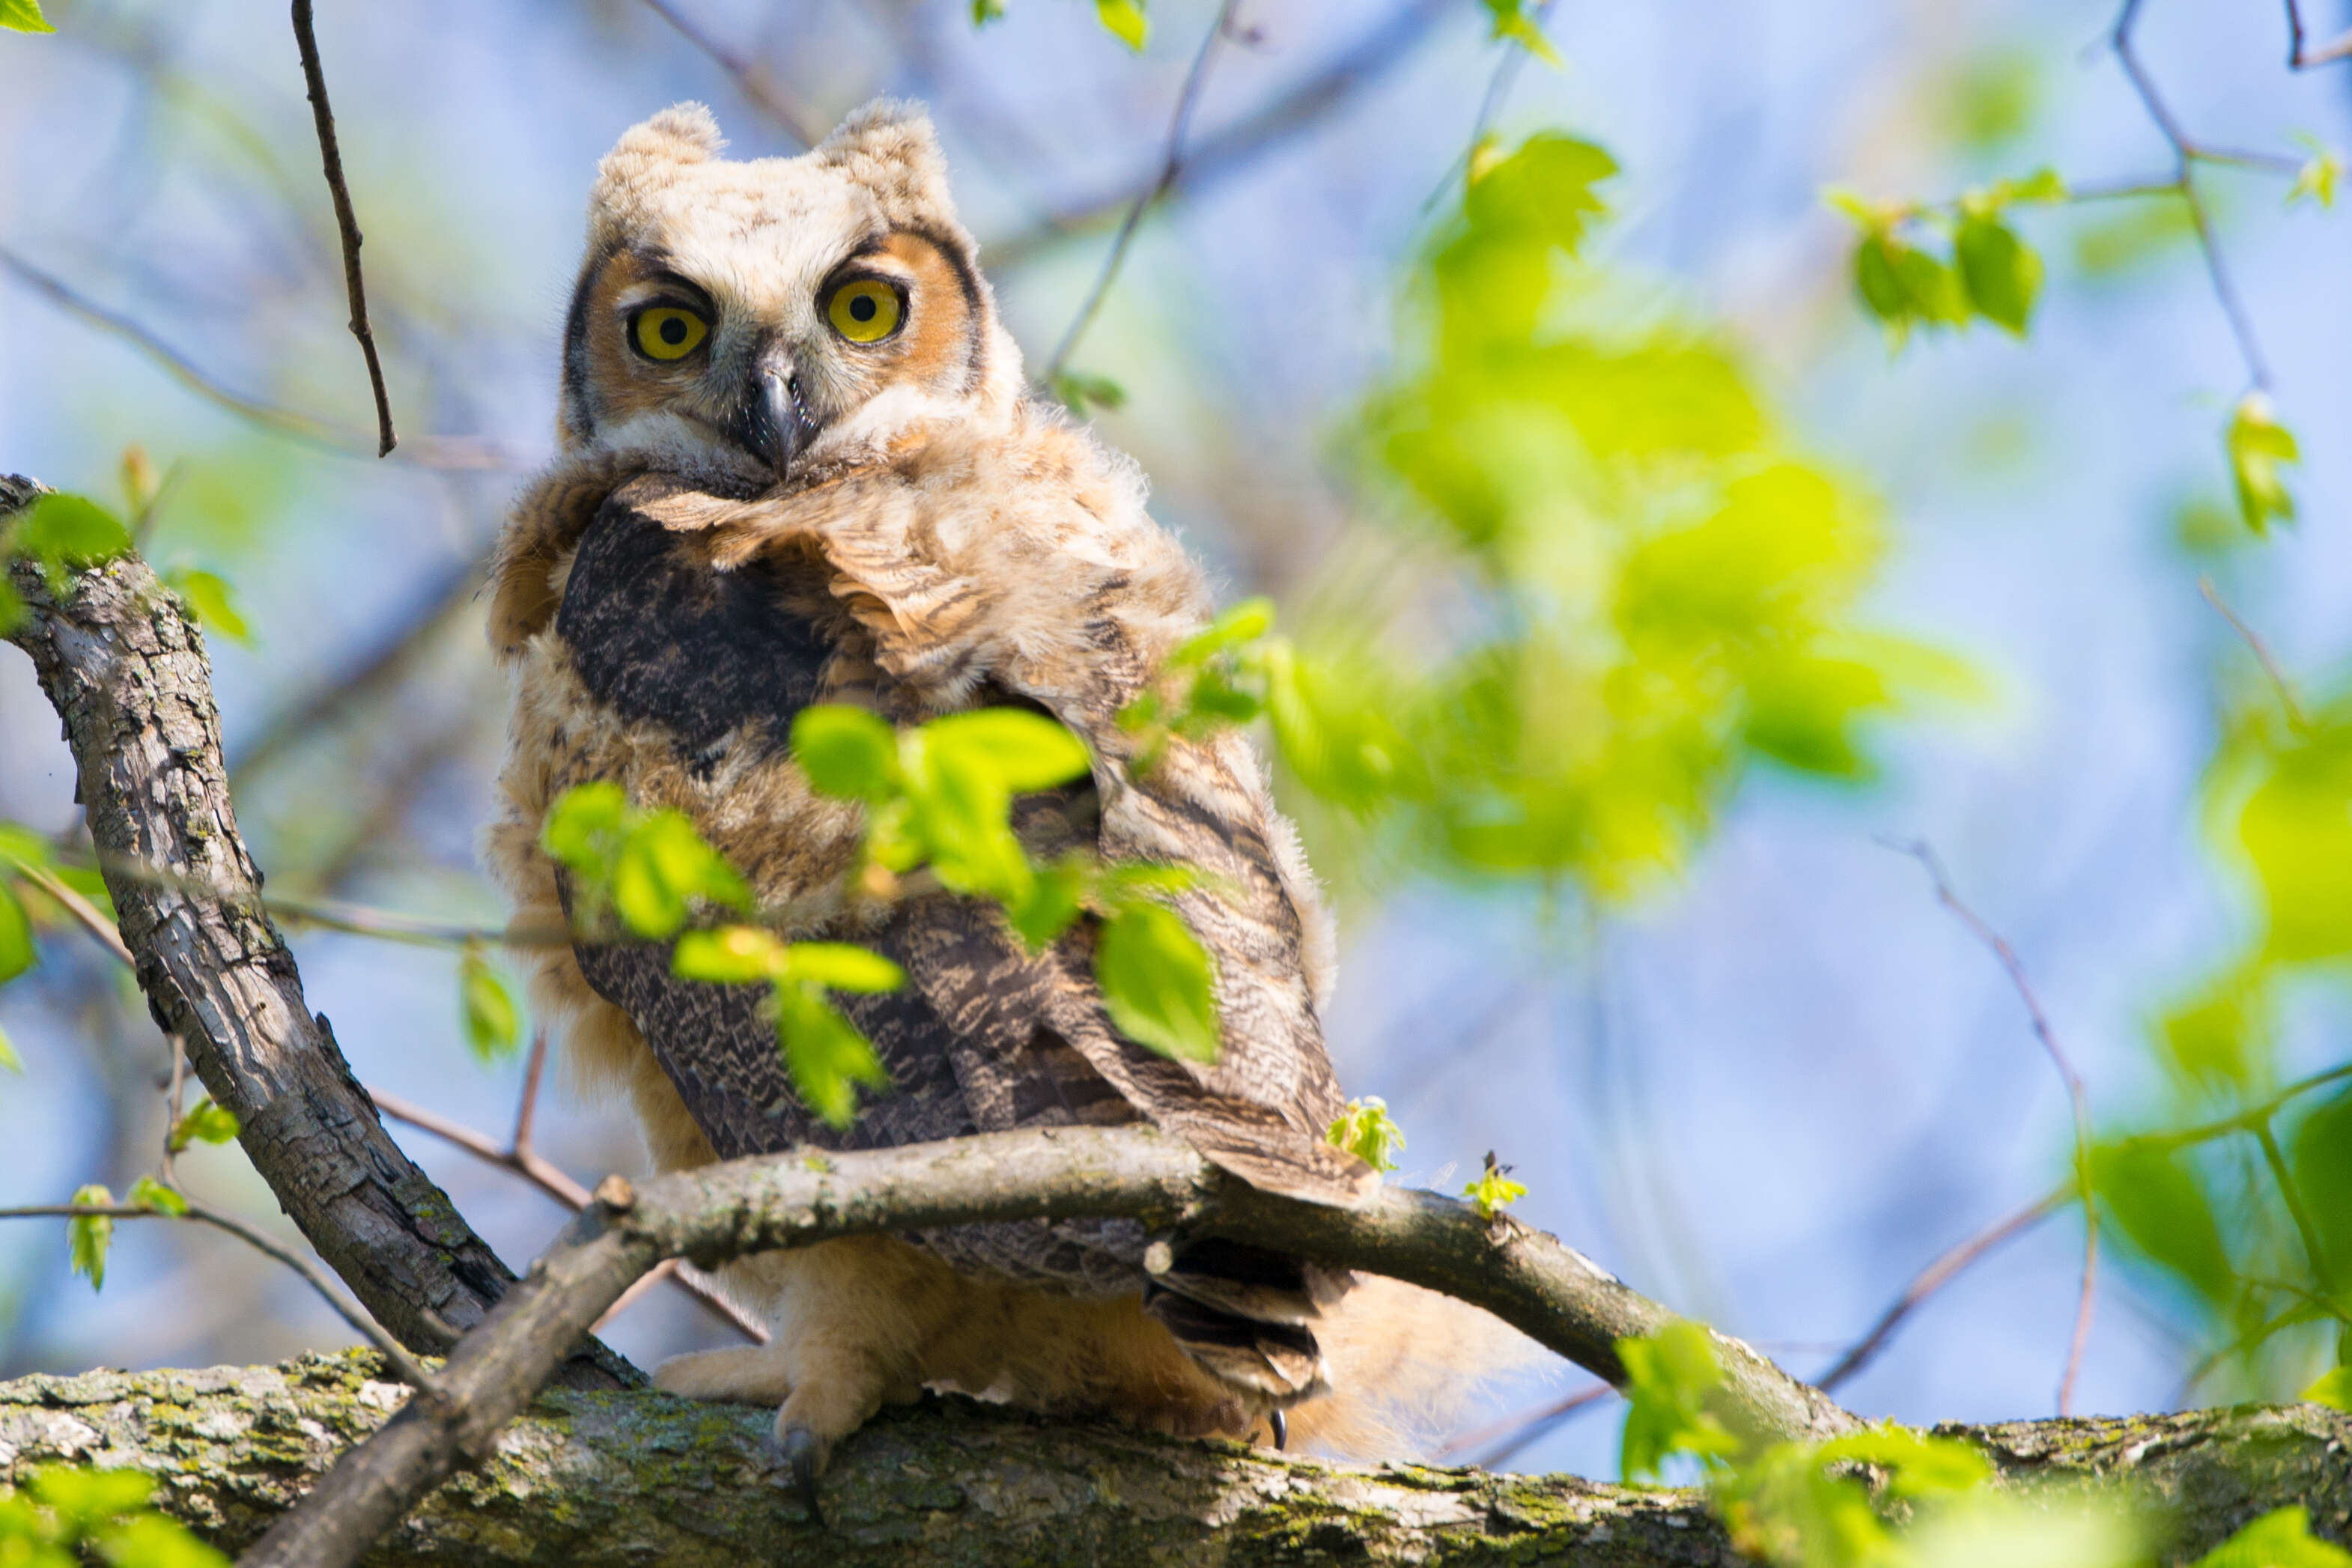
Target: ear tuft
(647, 157)
(682, 134)
(888, 147)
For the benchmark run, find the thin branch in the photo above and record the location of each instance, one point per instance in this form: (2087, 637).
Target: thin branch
(89, 915)
(1526, 1278)
(1921, 851)
(1171, 166)
(2261, 650)
(314, 78)
(2187, 152)
(2308, 1231)
(410, 1373)
(752, 81)
(2302, 57)
(451, 452)
(557, 1183)
(1516, 1432)
(1934, 1278)
(1220, 154)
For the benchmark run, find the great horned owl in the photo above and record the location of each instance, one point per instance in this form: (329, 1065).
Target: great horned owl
(799, 465)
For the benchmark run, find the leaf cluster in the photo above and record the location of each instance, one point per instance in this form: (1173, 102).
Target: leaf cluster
(62, 1517)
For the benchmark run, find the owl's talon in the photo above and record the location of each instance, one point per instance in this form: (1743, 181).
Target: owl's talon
(804, 1453)
(1281, 1424)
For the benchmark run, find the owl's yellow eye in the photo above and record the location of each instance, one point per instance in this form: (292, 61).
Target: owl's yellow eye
(864, 311)
(666, 332)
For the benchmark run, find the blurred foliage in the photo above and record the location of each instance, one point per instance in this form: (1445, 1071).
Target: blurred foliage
(24, 16)
(59, 1517)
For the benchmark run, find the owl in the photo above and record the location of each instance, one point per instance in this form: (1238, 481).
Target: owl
(799, 465)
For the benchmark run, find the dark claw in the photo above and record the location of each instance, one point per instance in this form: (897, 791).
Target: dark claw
(1281, 1424)
(803, 1452)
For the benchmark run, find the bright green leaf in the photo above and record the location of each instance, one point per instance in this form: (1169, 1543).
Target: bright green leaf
(1055, 898)
(1365, 1130)
(147, 1193)
(2258, 443)
(1920, 1466)
(1157, 983)
(1126, 21)
(582, 822)
(493, 1021)
(88, 1236)
(826, 1054)
(209, 596)
(62, 531)
(1669, 1376)
(2167, 1213)
(731, 955)
(203, 1124)
(153, 1541)
(1541, 195)
(9, 1060)
(1081, 393)
(1494, 1191)
(2002, 274)
(841, 966)
(983, 12)
(1243, 623)
(1512, 22)
(846, 752)
(2334, 1390)
(24, 16)
(664, 865)
(1018, 750)
(2280, 1539)
(2319, 1157)
(2316, 180)
(16, 936)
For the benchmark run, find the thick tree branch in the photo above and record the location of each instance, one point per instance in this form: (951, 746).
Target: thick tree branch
(606, 1480)
(128, 676)
(1526, 1278)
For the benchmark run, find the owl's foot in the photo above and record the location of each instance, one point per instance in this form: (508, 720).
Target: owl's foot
(805, 1456)
(1281, 1424)
(746, 1374)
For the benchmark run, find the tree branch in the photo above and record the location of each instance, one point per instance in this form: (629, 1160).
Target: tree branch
(347, 223)
(719, 1212)
(129, 678)
(599, 1480)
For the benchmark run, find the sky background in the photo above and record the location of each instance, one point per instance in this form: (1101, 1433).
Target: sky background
(1768, 1093)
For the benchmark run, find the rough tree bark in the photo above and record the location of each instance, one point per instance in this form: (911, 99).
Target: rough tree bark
(618, 1480)
(129, 679)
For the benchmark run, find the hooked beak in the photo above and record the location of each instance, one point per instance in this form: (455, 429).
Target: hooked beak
(772, 423)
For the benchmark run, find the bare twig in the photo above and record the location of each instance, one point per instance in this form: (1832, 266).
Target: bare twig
(2303, 1228)
(2300, 55)
(1171, 166)
(1934, 1278)
(1516, 1432)
(87, 914)
(555, 1183)
(1220, 154)
(453, 452)
(410, 1373)
(752, 81)
(2261, 651)
(1526, 1278)
(314, 78)
(1921, 851)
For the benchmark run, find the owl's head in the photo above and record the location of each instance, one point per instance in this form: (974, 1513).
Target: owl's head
(762, 319)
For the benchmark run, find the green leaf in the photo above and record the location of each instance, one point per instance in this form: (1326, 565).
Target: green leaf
(2167, 1213)
(1905, 287)
(16, 936)
(203, 1124)
(86, 1236)
(731, 955)
(1541, 195)
(1157, 983)
(147, 1193)
(2002, 274)
(2316, 181)
(1080, 393)
(208, 599)
(1016, 750)
(826, 1054)
(1126, 20)
(12, 607)
(2280, 1539)
(841, 966)
(493, 1021)
(663, 866)
(1365, 1130)
(2334, 1390)
(1494, 1191)
(1512, 22)
(152, 1541)
(1668, 1377)
(1055, 900)
(24, 16)
(2258, 443)
(8, 1057)
(1920, 1466)
(1243, 623)
(2320, 1159)
(2041, 186)
(61, 530)
(983, 12)
(582, 824)
(846, 752)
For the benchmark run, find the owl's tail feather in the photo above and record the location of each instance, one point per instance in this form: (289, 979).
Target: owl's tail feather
(1246, 1314)
(1406, 1366)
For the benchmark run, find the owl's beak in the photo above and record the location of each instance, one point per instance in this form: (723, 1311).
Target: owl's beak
(773, 425)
